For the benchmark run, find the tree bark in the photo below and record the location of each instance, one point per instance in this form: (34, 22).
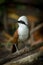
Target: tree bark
(30, 59)
(20, 53)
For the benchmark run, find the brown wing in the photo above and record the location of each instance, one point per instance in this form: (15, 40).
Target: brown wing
(15, 37)
(15, 41)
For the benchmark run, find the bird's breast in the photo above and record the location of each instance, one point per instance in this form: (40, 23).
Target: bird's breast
(23, 33)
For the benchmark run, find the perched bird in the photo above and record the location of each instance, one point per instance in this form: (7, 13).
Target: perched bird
(22, 33)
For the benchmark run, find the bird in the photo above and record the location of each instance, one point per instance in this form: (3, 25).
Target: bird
(21, 34)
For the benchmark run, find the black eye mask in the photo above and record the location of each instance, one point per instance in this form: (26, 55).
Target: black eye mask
(22, 22)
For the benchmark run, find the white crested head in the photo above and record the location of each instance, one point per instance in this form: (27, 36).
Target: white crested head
(24, 19)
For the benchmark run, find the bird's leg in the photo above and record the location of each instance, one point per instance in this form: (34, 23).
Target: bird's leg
(16, 47)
